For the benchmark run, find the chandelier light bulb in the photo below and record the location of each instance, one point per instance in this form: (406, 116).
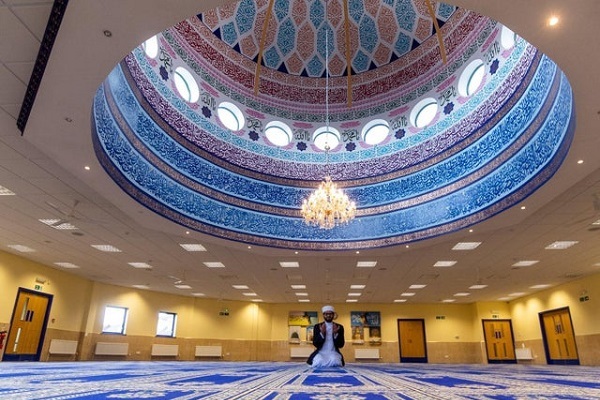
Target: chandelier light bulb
(328, 206)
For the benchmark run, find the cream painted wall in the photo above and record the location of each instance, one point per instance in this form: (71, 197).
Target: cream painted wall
(525, 311)
(78, 306)
(69, 291)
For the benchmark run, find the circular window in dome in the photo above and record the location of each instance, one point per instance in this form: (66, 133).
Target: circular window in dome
(150, 47)
(375, 132)
(278, 133)
(231, 116)
(507, 38)
(186, 85)
(424, 112)
(326, 138)
(471, 78)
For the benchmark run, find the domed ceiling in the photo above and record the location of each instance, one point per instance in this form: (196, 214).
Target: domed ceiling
(501, 124)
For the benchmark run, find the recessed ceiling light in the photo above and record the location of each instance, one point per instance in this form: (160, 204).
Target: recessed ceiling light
(257, 300)
(357, 286)
(183, 286)
(57, 223)
(66, 265)
(516, 294)
(298, 286)
(6, 192)
(579, 161)
(462, 294)
(466, 245)
(303, 300)
(249, 294)
(354, 294)
(366, 264)
(192, 247)
(198, 294)
(504, 298)
(21, 248)
(448, 300)
(140, 265)
(561, 245)
(400, 301)
(597, 222)
(141, 286)
(541, 286)
(525, 263)
(301, 294)
(214, 264)
(240, 287)
(407, 294)
(351, 301)
(416, 286)
(478, 286)
(444, 264)
(107, 248)
(553, 20)
(289, 264)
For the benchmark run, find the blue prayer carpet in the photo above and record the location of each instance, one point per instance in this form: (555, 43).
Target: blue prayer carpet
(293, 381)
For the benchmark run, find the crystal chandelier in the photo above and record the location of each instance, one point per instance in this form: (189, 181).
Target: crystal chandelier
(327, 206)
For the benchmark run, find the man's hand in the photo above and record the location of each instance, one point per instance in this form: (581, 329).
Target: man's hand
(323, 329)
(336, 328)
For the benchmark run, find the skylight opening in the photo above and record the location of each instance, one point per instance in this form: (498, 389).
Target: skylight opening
(231, 116)
(326, 138)
(186, 85)
(278, 133)
(150, 47)
(424, 112)
(375, 132)
(471, 78)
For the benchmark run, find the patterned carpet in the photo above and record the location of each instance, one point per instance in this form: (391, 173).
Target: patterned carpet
(294, 381)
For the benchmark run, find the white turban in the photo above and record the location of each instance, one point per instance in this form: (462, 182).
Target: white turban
(327, 309)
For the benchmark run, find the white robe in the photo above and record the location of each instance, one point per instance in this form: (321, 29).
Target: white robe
(327, 356)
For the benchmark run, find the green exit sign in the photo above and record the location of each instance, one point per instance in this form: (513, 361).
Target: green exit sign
(38, 287)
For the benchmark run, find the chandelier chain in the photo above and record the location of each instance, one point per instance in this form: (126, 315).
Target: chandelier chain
(327, 206)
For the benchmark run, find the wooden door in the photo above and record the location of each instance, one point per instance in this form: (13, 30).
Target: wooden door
(27, 326)
(411, 336)
(499, 341)
(559, 337)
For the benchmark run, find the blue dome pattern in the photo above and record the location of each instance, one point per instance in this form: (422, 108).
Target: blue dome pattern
(481, 155)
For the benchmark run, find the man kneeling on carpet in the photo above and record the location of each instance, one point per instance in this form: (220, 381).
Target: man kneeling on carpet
(328, 338)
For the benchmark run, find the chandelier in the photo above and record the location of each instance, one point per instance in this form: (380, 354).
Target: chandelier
(327, 206)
